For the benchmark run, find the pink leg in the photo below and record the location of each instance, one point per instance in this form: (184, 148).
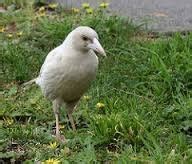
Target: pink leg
(56, 107)
(72, 121)
(70, 109)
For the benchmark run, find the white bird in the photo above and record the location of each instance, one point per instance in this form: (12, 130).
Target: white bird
(68, 71)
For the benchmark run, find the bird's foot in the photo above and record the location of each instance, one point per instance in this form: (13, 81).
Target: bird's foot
(61, 138)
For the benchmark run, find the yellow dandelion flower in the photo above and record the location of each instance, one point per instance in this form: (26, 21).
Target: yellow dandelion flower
(53, 5)
(19, 33)
(41, 14)
(89, 11)
(104, 5)
(86, 98)
(100, 105)
(85, 5)
(8, 121)
(52, 145)
(2, 29)
(52, 161)
(9, 35)
(61, 126)
(75, 10)
(42, 9)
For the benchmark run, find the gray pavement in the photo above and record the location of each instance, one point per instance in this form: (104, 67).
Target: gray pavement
(160, 15)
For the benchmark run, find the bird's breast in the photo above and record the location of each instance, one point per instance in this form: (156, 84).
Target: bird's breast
(76, 77)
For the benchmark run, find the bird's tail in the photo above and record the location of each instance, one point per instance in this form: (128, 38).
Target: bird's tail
(30, 82)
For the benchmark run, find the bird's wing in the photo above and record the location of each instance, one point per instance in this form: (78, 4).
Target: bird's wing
(50, 72)
(53, 58)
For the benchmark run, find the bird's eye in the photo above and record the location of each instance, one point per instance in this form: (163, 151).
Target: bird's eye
(85, 38)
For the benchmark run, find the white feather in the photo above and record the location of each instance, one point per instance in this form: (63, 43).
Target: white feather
(67, 73)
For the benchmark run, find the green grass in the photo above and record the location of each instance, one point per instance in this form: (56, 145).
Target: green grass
(145, 85)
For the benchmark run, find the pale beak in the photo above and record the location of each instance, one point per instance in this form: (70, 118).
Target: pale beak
(96, 46)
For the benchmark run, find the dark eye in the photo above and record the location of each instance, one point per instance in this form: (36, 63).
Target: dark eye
(85, 38)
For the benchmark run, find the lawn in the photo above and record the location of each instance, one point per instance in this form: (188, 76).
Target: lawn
(144, 86)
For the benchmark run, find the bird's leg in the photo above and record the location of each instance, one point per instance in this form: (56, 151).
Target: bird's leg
(72, 121)
(70, 108)
(56, 107)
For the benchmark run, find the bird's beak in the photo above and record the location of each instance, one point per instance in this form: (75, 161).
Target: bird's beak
(96, 46)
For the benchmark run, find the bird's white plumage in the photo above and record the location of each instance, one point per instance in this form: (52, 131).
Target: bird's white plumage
(67, 72)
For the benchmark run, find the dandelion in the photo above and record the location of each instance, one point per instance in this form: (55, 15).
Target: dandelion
(42, 9)
(75, 10)
(52, 145)
(2, 29)
(100, 105)
(53, 5)
(19, 33)
(89, 11)
(41, 14)
(85, 5)
(52, 161)
(9, 35)
(8, 121)
(104, 5)
(61, 126)
(86, 98)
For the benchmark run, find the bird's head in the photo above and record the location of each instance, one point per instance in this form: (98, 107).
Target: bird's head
(85, 38)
